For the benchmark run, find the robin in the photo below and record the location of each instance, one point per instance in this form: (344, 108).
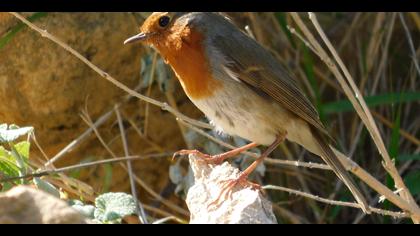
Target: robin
(240, 87)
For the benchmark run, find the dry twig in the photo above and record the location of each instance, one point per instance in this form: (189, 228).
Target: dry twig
(336, 203)
(139, 205)
(406, 203)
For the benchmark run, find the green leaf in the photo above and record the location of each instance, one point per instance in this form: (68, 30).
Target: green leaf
(11, 33)
(23, 149)
(372, 101)
(395, 136)
(21, 161)
(8, 166)
(394, 146)
(409, 157)
(13, 133)
(15, 162)
(412, 180)
(111, 207)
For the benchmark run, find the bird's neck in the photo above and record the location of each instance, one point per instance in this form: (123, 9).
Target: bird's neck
(184, 51)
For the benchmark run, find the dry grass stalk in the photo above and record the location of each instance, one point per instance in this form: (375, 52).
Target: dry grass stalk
(407, 202)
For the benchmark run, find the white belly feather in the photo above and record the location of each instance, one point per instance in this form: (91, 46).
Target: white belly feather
(237, 110)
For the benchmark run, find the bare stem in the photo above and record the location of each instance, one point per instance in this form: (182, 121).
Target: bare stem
(336, 203)
(410, 43)
(85, 165)
(139, 205)
(360, 106)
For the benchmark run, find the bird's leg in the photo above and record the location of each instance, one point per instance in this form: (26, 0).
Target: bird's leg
(219, 158)
(228, 185)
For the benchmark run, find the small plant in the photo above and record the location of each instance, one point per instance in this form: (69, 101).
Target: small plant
(109, 208)
(14, 158)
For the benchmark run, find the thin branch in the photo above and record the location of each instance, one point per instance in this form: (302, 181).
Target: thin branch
(139, 205)
(307, 44)
(86, 118)
(410, 42)
(337, 203)
(79, 139)
(85, 165)
(367, 119)
(33, 137)
(402, 132)
(384, 58)
(154, 145)
(408, 205)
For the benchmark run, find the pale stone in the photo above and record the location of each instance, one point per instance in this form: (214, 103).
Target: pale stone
(26, 205)
(245, 206)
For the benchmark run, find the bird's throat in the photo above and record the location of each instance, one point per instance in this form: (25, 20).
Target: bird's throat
(185, 53)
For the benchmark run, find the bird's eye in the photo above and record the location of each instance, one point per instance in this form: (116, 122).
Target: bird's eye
(164, 21)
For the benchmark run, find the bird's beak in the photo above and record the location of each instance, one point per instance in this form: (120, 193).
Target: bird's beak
(138, 37)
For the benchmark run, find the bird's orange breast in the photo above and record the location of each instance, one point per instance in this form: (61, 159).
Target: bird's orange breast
(185, 52)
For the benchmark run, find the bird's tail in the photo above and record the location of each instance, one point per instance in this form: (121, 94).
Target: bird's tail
(332, 160)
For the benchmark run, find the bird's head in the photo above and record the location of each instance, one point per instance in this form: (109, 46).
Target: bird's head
(159, 28)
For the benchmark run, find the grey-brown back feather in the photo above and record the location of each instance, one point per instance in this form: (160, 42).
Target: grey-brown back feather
(256, 67)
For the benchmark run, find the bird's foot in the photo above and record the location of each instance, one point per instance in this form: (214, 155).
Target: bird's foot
(219, 158)
(208, 159)
(228, 186)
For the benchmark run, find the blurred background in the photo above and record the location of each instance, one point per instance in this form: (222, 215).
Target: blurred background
(44, 86)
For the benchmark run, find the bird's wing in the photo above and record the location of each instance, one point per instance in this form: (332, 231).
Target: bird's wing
(256, 67)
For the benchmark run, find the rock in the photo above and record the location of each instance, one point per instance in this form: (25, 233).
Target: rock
(44, 86)
(23, 204)
(246, 205)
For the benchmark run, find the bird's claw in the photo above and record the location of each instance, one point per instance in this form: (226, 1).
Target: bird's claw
(227, 187)
(188, 152)
(208, 159)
